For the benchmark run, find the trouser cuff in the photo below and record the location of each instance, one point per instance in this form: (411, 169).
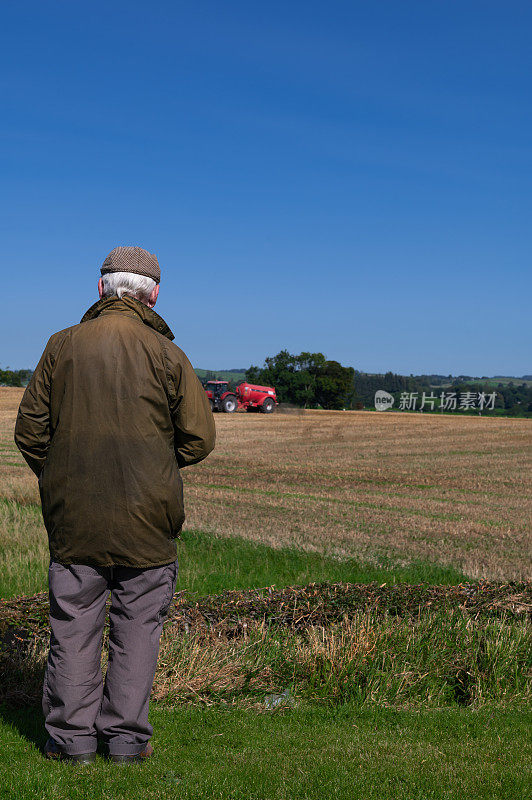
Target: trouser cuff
(125, 749)
(82, 745)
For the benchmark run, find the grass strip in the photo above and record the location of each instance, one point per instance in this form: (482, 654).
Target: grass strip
(306, 754)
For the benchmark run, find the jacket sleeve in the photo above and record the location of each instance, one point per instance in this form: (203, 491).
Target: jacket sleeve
(32, 428)
(192, 418)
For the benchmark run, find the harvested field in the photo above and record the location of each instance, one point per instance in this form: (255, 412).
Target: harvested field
(444, 489)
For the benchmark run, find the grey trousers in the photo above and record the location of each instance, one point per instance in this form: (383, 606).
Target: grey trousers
(78, 706)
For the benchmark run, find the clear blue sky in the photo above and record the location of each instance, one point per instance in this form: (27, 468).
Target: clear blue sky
(350, 177)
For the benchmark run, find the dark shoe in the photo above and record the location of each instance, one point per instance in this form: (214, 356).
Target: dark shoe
(136, 759)
(52, 750)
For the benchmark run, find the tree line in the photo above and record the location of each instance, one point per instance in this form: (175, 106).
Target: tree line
(15, 377)
(309, 380)
(511, 398)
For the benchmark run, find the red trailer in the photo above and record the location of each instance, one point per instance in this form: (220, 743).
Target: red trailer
(246, 395)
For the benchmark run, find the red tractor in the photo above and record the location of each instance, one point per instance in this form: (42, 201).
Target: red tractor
(246, 395)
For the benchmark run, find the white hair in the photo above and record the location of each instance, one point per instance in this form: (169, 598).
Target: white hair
(120, 283)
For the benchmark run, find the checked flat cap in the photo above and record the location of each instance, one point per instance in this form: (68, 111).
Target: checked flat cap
(132, 259)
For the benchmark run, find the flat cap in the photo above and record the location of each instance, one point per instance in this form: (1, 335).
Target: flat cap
(132, 259)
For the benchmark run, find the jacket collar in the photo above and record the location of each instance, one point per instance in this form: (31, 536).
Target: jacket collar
(133, 307)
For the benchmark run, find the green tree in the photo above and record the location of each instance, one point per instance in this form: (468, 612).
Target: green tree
(334, 386)
(307, 379)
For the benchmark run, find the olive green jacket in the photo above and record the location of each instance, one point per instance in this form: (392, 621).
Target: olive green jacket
(111, 413)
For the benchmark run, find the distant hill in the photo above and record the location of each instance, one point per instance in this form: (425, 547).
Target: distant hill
(443, 381)
(513, 378)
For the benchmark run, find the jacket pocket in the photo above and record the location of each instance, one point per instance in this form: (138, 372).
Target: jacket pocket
(171, 571)
(177, 506)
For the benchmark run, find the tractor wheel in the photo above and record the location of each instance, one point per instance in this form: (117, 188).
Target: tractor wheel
(268, 406)
(211, 405)
(229, 404)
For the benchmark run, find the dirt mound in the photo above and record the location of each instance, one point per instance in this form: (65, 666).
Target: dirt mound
(300, 606)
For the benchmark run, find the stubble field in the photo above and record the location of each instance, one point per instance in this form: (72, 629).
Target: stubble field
(380, 487)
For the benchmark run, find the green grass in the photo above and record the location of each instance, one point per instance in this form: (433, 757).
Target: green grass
(439, 659)
(308, 753)
(208, 564)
